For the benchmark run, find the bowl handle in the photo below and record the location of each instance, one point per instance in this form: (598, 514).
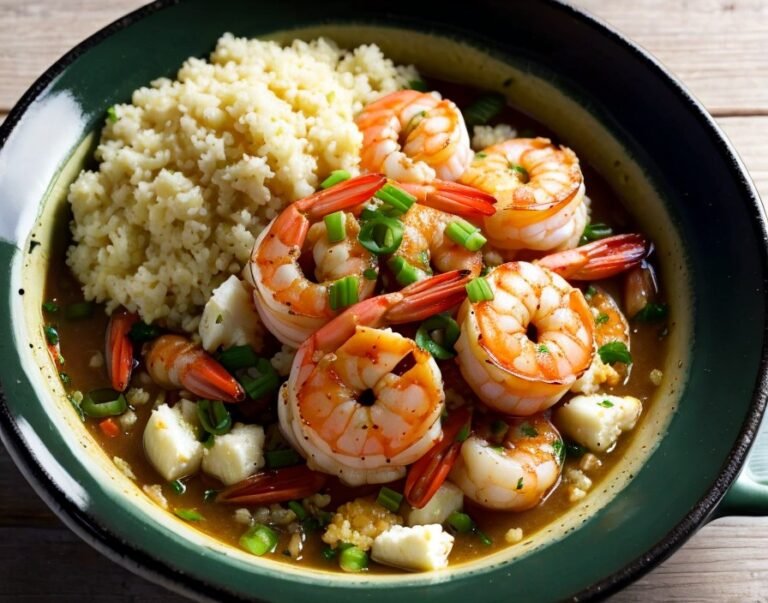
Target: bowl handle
(749, 493)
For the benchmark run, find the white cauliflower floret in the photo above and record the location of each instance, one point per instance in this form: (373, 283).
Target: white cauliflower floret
(358, 522)
(448, 499)
(235, 455)
(596, 375)
(598, 420)
(170, 443)
(419, 548)
(229, 317)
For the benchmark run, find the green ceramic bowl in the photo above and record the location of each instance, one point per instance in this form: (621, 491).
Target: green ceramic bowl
(604, 97)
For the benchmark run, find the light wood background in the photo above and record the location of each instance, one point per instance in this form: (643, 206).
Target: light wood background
(718, 48)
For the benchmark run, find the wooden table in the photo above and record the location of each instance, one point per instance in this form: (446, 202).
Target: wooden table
(719, 48)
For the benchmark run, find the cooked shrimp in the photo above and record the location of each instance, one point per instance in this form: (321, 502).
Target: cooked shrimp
(414, 137)
(363, 402)
(523, 349)
(119, 348)
(289, 304)
(540, 192)
(516, 474)
(174, 362)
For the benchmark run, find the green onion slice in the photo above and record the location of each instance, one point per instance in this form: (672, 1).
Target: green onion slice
(465, 234)
(105, 402)
(437, 335)
(285, 457)
(595, 232)
(398, 200)
(336, 177)
(178, 486)
(189, 514)
(237, 357)
(353, 559)
(404, 272)
(260, 380)
(343, 293)
(559, 447)
(79, 310)
(652, 313)
(370, 274)
(389, 499)
(605, 404)
(76, 405)
(461, 522)
(336, 226)
(483, 537)
(214, 417)
(298, 509)
(479, 290)
(615, 351)
(259, 540)
(381, 235)
(483, 109)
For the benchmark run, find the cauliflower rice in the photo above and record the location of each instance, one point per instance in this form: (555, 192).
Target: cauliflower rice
(194, 168)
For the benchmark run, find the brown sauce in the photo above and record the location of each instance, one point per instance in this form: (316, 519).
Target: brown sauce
(82, 339)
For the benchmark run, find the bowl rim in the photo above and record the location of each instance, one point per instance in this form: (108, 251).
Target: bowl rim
(163, 572)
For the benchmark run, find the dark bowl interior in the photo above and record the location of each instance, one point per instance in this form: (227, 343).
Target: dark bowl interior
(710, 200)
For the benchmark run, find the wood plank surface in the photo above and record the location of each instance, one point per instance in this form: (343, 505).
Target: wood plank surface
(719, 48)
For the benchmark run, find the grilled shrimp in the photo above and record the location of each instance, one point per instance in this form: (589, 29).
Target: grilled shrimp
(514, 474)
(414, 137)
(540, 192)
(289, 304)
(362, 401)
(521, 350)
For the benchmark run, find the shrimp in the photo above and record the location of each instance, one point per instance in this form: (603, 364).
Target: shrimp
(289, 304)
(414, 137)
(540, 192)
(521, 351)
(515, 474)
(119, 348)
(363, 402)
(174, 362)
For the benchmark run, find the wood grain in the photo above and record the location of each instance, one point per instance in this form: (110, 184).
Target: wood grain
(719, 48)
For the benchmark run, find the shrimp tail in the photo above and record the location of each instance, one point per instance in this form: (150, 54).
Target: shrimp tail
(429, 297)
(274, 486)
(119, 348)
(454, 198)
(341, 196)
(206, 378)
(428, 473)
(600, 259)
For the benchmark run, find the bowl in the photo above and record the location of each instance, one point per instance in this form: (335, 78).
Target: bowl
(603, 96)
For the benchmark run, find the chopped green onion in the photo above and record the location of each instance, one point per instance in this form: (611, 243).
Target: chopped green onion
(465, 234)
(141, 332)
(369, 213)
(178, 486)
(209, 496)
(237, 357)
(601, 318)
(79, 310)
(389, 499)
(615, 351)
(76, 405)
(343, 293)
(328, 553)
(590, 292)
(461, 522)
(483, 109)
(298, 509)
(479, 290)
(65, 378)
(112, 114)
(444, 327)
(398, 199)
(529, 430)
(381, 235)
(104, 402)
(574, 450)
(189, 514)
(336, 226)
(51, 334)
(370, 274)
(542, 349)
(559, 447)
(260, 380)
(404, 272)
(259, 540)
(51, 307)
(595, 232)
(208, 440)
(353, 559)
(281, 458)
(652, 313)
(521, 172)
(335, 177)
(483, 537)
(419, 85)
(214, 417)
(520, 484)
(605, 404)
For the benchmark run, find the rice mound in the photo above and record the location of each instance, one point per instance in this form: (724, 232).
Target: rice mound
(194, 168)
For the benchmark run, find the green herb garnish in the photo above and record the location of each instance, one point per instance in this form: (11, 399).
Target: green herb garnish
(615, 351)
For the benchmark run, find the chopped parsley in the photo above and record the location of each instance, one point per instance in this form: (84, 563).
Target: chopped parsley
(652, 313)
(605, 404)
(219, 319)
(112, 114)
(542, 349)
(520, 484)
(65, 379)
(601, 318)
(51, 334)
(529, 430)
(615, 351)
(590, 292)
(50, 306)
(559, 449)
